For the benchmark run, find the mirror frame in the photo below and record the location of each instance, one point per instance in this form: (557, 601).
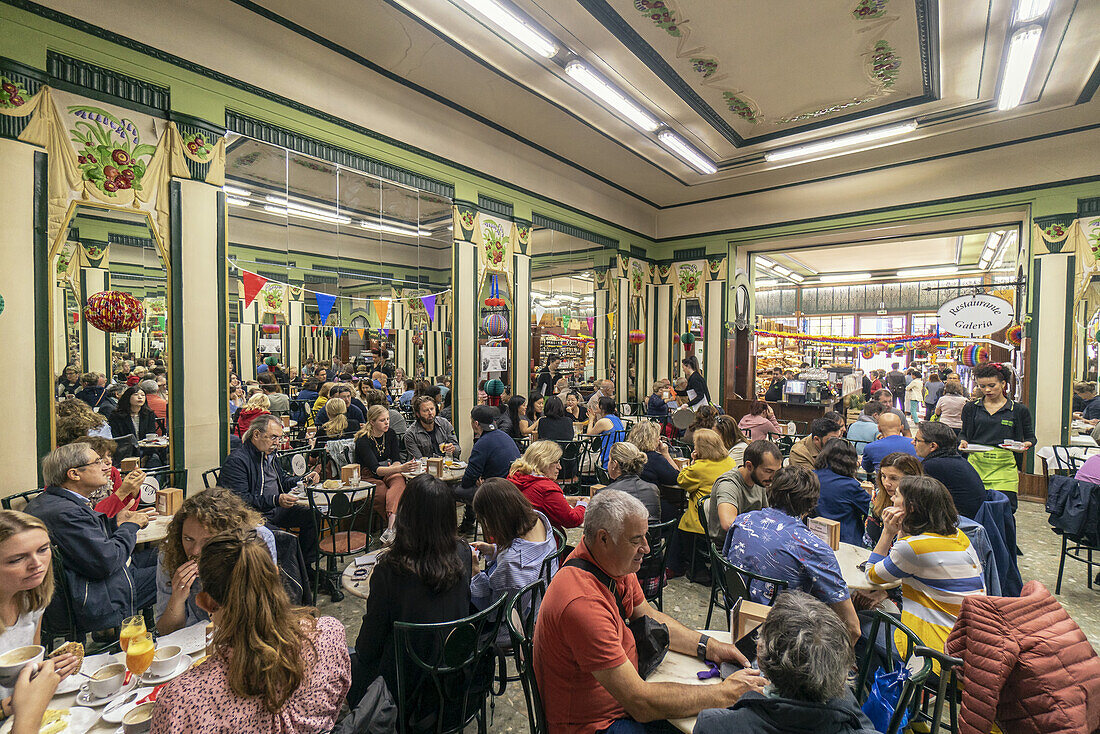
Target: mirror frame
(55, 247)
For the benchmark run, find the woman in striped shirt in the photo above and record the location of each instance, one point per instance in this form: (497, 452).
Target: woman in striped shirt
(931, 557)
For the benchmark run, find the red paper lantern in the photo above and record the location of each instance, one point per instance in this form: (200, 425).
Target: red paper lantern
(113, 311)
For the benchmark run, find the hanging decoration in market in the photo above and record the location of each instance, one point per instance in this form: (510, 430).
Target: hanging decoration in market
(429, 306)
(495, 325)
(270, 328)
(339, 331)
(494, 299)
(382, 308)
(851, 341)
(591, 325)
(1015, 335)
(973, 355)
(867, 352)
(113, 311)
(354, 299)
(636, 336)
(253, 283)
(324, 304)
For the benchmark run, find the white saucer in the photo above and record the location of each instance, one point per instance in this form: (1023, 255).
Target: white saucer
(155, 680)
(90, 664)
(84, 698)
(115, 716)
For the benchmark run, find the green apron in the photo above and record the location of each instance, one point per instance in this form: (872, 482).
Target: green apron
(997, 468)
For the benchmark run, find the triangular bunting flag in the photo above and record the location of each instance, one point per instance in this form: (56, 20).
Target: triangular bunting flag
(324, 305)
(565, 321)
(339, 330)
(429, 306)
(540, 311)
(252, 285)
(385, 332)
(362, 333)
(312, 330)
(381, 307)
(591, 324)
(611, 319)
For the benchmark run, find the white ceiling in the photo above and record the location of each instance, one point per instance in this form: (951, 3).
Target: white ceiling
(859, 258)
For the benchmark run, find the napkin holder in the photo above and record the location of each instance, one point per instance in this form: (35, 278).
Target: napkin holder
(168, 500)
(826, 529)
(435, 467)
(349, 474)
(286, 421)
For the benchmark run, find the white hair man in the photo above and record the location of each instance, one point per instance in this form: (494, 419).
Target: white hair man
(586, 661)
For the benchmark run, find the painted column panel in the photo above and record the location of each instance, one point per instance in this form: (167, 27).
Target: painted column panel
(1053, 334)
(603, 332)
(521, 325)
(715, 341)
(246, 339)
(96, 349)
(18, 325)
(202, 351)
(293, 356)
(464, 385)
(621, 336)
(662, 336)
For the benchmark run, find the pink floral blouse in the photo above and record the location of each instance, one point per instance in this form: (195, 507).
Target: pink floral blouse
(201, 700)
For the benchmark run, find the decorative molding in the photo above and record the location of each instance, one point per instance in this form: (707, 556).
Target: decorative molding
(494, 206)
(23, 78)
(1088, 207)
(268, 133)
(80, 77)
(130, 240)
(689, 253)
(545, 222)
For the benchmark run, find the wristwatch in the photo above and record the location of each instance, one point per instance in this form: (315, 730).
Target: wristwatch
(701, 649)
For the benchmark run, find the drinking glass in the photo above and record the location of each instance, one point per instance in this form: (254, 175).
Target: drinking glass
(131, 628)
(139, 653)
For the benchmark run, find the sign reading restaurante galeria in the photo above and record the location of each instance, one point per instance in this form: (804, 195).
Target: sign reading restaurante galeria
(976, 315)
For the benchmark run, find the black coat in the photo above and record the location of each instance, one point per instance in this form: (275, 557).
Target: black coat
(121, 425)
(960, 478)
(95, 550)
(243, 473)
(761, 714)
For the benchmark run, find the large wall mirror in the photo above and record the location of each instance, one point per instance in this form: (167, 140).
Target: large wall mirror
(344, 262)
(564, 308)
(109, 306)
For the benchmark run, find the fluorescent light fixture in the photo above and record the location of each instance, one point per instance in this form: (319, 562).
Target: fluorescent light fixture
(515, 27)
(781, 270)
(1021, 54)
(842, 141)
(687, 153)
(393, 229)
(844, 277)
(236, 191)
(923, 272)
(304, 214)
(1002, 249)
(304, 211)
(797, 278)
(618, 101)
(1029, 10)
(766, 282)
(234, 201)
(761, 260)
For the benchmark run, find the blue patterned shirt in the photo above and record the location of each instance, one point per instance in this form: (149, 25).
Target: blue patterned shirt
(771, 543)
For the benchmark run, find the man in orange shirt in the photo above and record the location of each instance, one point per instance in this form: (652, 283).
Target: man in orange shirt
(586, 662)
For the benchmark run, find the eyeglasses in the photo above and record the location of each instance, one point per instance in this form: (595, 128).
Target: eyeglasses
(97, 462)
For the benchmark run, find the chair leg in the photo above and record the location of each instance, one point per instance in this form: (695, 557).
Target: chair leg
(1061, 567)
(1089, 573)
(710, 609)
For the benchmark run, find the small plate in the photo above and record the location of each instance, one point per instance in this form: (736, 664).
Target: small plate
(115, 716)
(80, 720)
(156, 680)
(455, 465)
(84, 698)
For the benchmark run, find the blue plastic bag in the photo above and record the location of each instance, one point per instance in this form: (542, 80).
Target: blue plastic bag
(883, 698)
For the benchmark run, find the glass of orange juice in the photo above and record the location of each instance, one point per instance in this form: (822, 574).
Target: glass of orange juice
(131, 628)
(139, 653)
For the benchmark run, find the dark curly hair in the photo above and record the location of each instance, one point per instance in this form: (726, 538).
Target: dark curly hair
(794, 490)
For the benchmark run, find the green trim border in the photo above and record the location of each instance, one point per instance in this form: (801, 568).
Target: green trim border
(545, 222)
(43, 383)
(220, 246)
(175, 332)
(107, 85)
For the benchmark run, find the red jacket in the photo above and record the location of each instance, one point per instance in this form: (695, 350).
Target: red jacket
(546, 496)
(1026, 664)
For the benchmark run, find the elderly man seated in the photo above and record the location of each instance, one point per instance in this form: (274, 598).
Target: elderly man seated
(253, 473)
(105, 587)
(804, 652)
(586, 661)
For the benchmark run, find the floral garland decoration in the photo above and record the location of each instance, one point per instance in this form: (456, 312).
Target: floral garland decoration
(12, 93)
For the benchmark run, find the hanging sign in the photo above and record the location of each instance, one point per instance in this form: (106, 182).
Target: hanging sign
(976, 315)
(494, 359)
(270, 346)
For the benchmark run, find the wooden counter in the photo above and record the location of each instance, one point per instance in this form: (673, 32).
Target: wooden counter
(797, 412)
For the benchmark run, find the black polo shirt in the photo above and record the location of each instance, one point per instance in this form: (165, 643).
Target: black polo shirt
(1011, 422)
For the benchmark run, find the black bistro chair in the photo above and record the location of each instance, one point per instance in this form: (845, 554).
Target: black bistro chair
(210, 477)
(730, 583)
(19, 501)
(651, 575)
(446, 671)
(160, 478)
(546, 572)
(521, 614)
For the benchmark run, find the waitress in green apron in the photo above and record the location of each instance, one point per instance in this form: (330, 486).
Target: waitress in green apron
(992, 420)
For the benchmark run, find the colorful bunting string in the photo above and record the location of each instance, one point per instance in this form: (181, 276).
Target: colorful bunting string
(253, 284)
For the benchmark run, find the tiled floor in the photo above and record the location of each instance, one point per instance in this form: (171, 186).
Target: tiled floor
(687, 602)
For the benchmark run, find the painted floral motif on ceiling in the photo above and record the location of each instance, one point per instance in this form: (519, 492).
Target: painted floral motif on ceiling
(12, 93)
(883, 63)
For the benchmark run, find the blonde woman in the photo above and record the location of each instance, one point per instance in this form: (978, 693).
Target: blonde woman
(201, 517)
(659, 469)
(274, 667)
(338, 424)
(709, 460)
(26, 586)
(319, 404)
(378, 453)
(536, 473)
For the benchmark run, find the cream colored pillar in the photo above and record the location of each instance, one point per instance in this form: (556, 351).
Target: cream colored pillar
(521, 325)
(95, 353)
(465, 360)
(715, 341)
(202, 353)
(25, 338)
(660, 336)
(1053, 330)
(602, 301)
(621, 336)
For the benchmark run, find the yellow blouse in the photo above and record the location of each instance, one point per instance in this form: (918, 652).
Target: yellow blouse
(697, 480)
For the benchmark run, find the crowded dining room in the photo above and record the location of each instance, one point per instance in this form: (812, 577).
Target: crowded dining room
(575, 367)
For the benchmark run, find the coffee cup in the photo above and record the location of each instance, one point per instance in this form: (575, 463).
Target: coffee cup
(13, 661)
(165, 660)
(150, 437)
(107, 680)
(139, 719)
